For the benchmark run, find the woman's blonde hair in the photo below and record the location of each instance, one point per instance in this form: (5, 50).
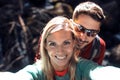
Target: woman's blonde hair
(47, 67)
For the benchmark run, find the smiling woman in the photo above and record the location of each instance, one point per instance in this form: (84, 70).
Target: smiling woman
(59, 60)
(60, 48)
(57, 45)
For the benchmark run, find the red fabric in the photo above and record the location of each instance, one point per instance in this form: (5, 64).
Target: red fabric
(86, 52)
(37, 55)
(61, 73)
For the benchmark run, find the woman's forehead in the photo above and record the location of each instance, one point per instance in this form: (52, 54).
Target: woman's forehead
(60, 27)
(60, 35)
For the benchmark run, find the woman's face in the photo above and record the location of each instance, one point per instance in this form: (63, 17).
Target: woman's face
(60, 48)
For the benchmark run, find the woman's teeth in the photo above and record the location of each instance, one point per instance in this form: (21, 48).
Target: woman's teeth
(60, 57)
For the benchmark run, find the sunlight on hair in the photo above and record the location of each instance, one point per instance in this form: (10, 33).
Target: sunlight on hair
(59, 27)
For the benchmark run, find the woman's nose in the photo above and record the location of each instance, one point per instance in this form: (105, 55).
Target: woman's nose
(60, 50)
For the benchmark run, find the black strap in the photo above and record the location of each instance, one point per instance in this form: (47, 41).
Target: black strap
(95, 50)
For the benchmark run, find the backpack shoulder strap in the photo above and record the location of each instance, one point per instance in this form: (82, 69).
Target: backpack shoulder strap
(95, 50)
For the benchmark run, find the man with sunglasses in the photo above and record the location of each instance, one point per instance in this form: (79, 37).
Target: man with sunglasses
(87, 18)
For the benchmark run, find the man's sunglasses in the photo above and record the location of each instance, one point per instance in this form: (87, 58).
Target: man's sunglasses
(89, 32)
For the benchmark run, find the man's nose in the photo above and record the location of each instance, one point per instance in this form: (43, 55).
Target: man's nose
(83, 36)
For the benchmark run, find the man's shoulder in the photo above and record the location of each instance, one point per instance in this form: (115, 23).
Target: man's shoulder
(99, 41)
(98, 46)
(102, 42)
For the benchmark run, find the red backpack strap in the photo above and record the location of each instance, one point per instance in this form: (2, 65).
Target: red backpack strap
(95, 50)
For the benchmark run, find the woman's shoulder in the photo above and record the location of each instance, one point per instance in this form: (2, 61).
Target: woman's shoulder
(84, 67)
(32, 71)
(36, 67)
(84, 63)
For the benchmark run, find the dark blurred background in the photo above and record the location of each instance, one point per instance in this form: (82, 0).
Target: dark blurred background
(22, 21)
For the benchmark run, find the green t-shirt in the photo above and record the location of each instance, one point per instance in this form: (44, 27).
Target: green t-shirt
(34, 72)
(85, 70)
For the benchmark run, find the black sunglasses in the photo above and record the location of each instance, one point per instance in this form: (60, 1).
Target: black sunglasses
(89, 32)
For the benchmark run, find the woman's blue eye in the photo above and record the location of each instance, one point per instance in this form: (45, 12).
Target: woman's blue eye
(52, 44)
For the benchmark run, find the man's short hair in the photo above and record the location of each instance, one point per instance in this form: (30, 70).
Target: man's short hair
(91, 9)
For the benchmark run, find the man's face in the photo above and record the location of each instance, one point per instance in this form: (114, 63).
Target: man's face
(87, 31)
